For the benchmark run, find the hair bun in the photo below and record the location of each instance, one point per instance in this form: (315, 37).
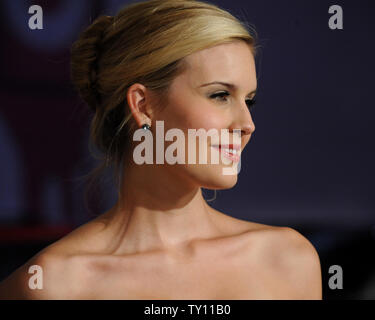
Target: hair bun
(84, 60)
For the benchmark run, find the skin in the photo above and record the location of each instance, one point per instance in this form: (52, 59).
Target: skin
(166, 242)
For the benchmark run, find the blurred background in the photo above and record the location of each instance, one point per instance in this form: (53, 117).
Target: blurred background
(309, 166)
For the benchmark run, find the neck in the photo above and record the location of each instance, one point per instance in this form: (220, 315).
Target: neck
(159, 213)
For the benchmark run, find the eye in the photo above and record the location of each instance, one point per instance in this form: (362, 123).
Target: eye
(251, 103)
(223, 94)
(220, 95)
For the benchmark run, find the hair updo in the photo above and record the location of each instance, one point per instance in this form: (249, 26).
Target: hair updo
(85, 58)
(146, 42)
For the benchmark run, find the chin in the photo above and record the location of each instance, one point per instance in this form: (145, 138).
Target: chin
(226, 182)
(215, 179)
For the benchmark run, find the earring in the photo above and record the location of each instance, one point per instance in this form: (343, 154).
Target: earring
(146, 127)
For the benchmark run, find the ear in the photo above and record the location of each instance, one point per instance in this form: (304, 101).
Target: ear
(139, 104)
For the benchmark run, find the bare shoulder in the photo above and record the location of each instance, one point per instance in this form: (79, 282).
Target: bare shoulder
(286, 264)
(46, 276)
(235, 226)
(302, 265)
(292, 258)
(57, 272)
(282, 253)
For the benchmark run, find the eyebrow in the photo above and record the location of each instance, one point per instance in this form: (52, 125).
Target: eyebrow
(229, 85)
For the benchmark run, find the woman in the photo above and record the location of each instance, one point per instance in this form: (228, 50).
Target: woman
(191, 65)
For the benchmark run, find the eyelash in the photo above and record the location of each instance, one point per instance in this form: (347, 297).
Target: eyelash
(250, 102)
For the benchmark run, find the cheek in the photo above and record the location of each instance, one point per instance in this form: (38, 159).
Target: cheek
(205, 118)
(191, 110)
(198, 115)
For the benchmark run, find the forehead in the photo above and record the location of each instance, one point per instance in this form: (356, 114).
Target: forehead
(230, 62)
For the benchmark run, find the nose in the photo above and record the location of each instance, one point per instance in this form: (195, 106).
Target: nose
(243, 122)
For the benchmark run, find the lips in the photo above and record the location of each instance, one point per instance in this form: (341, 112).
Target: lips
(230, 151)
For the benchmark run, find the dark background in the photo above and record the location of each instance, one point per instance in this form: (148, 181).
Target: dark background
(310, 163)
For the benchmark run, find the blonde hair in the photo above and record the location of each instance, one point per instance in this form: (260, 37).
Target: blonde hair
(146, 42)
